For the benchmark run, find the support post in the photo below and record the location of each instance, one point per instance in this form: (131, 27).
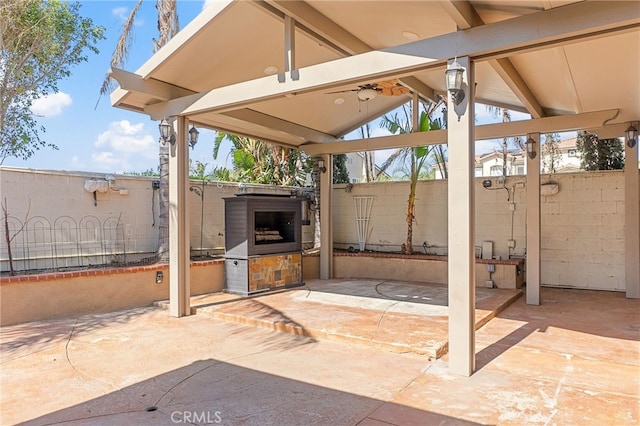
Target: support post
(290, 47)
(631, 221)
(326, 219)
(179, 256)
(461, 264)
(533, 224)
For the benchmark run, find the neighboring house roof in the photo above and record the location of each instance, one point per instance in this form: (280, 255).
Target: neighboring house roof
(566, 144)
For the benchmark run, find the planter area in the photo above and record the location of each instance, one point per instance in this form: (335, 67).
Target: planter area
(65, 294)
(424, 268)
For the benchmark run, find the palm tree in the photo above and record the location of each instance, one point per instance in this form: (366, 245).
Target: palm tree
(262, 162)
(415, 158)
(369, 164)
(168, 26)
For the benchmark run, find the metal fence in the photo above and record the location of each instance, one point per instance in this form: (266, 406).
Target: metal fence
(67, 243)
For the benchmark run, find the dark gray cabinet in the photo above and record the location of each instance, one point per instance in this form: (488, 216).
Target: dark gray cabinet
(263, 243)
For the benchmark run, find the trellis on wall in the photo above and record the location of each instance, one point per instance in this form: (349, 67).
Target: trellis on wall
(363, 205)
(66, 243)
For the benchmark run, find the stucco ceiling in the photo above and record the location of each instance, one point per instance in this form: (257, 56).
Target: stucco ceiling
(547, 58)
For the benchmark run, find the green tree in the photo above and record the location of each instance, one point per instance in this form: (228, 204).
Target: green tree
(40, 41)
(147, 173)
(599, 154)
(198, 171)
(415, 159)
(257, 161)
(168, 26)
(340, 173)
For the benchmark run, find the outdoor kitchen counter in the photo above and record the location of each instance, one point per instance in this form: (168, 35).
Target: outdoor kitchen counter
(509, 273)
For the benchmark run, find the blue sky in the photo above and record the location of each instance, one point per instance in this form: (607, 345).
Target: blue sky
(106, 139)
(109, 140)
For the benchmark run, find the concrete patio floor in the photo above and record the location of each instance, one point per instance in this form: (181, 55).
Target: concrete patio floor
(573, 360)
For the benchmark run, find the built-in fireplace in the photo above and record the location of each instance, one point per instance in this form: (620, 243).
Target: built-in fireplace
(263, 243)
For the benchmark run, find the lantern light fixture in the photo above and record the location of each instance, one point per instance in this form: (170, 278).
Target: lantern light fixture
(321, 166)
(631, 135)
(531, 148)
(454, 74)
(193, 136)
(166, 132)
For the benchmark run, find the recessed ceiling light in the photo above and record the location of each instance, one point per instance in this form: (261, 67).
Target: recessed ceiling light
(271, 70)
(338, 101)
(410, 35)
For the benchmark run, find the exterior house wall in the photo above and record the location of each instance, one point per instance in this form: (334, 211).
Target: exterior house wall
(355, 167)
(491, 164)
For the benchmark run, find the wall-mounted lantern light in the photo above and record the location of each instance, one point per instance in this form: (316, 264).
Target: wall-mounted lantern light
(632, 135)
(454, 74)
(321, 166)
(166, 132)
(531, 148)
(193, 136)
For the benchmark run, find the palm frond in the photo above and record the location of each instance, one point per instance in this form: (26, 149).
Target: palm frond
(121, 52)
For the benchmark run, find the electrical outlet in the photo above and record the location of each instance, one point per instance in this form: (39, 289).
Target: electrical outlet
(512, 207)
(511, 243)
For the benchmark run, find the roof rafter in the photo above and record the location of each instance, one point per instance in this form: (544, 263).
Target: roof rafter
(335, 37)
(465, 17)
(275, 123)
(158, 89)
(548, 28)
(564, 123)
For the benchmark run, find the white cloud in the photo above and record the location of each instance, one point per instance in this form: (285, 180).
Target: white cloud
(125, 147)
(122, 13)
(51, 105)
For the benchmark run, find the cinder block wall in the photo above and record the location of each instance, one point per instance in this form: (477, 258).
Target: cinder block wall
(582, 225)
(583, 232)
(50, 194)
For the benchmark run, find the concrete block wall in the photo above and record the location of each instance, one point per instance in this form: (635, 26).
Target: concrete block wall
(583, 232)
(388, 227)
(52, 194)
(582, 225)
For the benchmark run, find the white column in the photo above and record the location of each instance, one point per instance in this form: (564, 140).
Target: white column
(533, 224)
(462, 287)
(326, 219)
(179, 259)
(631, 221)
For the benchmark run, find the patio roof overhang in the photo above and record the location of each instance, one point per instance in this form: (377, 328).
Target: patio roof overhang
(572, 65)
(550, 59)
